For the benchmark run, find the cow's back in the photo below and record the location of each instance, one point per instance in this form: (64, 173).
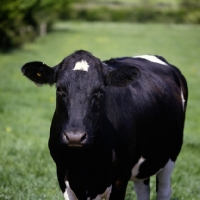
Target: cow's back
(149, 113)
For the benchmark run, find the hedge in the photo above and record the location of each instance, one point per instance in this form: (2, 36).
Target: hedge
(141, 14)
(22, 21)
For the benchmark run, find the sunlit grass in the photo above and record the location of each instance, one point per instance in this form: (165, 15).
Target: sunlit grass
(26, 169)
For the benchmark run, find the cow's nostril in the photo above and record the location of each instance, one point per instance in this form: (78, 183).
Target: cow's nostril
(66, 137)
(83, 137)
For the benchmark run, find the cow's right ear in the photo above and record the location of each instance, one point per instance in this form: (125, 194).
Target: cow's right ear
(39, 73)
(123, 76)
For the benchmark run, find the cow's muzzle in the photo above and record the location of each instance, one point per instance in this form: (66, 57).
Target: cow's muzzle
(75, 139)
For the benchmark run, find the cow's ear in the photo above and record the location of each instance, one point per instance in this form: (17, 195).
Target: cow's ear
(123, 76)
(39, 73)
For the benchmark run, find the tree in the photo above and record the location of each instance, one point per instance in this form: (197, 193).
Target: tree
(21, 21)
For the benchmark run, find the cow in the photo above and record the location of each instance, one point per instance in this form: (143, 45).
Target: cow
(115, 121)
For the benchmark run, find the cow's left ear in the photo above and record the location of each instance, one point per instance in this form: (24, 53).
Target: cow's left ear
(39, 73)
(123, 76)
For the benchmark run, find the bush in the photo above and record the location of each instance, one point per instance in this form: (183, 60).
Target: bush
(192, 11)
(190, 4)
(135, 13)
(22, 21)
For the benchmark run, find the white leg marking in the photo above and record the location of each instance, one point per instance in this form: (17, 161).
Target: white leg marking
(105, 195)
(164, 189)
(81, 65)
(142, 190)
(69, 194)
(152, 59)
(135, 169)
(183, 100)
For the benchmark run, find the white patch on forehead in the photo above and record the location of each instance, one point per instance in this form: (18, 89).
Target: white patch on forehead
(69, 194)
(135, 169)
(152, 59)
(183, 100)
(81, 65)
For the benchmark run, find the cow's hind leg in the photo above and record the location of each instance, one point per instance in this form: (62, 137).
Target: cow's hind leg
(163, 181)
(142, 189)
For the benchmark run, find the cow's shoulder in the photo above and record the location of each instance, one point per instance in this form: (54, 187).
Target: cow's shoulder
(153, 70)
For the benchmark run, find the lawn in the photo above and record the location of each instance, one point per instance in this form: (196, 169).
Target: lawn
(26, 169)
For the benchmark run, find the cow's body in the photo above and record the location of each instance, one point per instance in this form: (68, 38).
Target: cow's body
(115, 121)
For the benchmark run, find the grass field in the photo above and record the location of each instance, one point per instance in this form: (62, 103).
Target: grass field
(27, 171)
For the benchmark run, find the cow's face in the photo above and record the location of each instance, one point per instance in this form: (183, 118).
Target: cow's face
(80, 81)
(80, 97)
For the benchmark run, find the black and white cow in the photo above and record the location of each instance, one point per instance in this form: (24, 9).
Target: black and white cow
(115, 121)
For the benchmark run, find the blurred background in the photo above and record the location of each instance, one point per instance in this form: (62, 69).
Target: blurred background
(21, 21)
(49, 30)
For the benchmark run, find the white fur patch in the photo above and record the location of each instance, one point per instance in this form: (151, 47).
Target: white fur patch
(183, 100)
(105, 195)
(152, 59)
(69, 194)
(135, 169)
(81, 65)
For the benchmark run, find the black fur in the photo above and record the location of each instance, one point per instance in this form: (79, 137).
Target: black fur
(38, 72)
(125, 108)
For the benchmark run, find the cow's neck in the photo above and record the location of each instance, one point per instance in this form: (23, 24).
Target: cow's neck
(90, 170)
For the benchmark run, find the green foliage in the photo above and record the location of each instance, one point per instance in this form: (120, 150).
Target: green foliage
(192, 10)
(27, 171)
(145, 11)
(190, 4)
(12, 25)
(22, 21)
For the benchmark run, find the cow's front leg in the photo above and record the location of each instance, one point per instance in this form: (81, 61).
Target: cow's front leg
(163, 181)
(105, 195)
(142, 189)
(118, 190)
(69, 194)
(61, 179)
(64, 186)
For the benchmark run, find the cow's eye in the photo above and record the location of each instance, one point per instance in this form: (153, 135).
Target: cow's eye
(58, 89)
(98, 94)
(60, 92)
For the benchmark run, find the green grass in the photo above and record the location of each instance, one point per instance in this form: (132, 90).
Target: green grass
(26, 169)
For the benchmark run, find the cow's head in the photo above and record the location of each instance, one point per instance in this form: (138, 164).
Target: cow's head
(81, 80)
